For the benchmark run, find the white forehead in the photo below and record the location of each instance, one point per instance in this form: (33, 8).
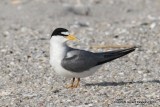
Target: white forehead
(65, 33)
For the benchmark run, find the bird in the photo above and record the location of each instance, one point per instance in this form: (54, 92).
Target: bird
(75, 63)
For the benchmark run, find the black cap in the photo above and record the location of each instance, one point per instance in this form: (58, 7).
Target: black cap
(58, 32)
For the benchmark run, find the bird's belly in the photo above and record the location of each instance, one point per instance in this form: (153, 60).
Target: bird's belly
(59, 69)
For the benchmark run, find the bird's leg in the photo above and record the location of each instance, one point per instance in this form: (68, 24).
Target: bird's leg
(72, 84)
(77, 84)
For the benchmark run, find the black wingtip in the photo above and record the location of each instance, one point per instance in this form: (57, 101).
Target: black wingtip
(112, 55)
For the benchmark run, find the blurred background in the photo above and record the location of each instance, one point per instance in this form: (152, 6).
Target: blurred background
(26, 78)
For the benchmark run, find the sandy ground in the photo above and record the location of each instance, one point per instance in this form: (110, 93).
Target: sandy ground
(27, 79)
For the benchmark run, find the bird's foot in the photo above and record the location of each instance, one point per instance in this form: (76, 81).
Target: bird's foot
(72, 86)
(75, 86)
(69, 86)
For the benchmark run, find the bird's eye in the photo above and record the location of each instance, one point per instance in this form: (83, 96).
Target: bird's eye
(65, 33)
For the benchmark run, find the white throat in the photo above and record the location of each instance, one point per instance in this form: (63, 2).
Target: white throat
(58, 49)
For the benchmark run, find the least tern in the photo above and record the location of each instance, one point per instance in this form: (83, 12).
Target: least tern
(76, 63)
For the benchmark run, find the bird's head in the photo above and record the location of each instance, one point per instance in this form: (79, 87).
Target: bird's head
(62, 34)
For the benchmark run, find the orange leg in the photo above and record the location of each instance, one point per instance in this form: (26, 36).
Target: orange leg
(77, 84)
(72, 84)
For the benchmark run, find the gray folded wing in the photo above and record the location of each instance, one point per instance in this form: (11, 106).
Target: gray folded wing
(79, 60)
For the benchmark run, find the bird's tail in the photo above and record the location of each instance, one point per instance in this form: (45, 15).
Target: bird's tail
(111, 55)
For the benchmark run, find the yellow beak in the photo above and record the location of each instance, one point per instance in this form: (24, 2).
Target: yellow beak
(71, 37)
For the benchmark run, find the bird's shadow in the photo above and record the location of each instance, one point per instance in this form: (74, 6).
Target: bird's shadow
(121, 83)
